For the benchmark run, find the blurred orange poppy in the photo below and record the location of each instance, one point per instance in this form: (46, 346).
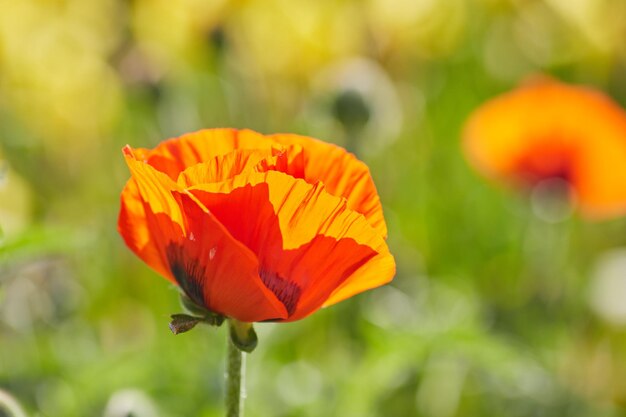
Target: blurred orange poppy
(256, 227)
(547, 129)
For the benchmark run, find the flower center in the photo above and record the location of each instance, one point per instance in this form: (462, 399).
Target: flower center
(545, 163)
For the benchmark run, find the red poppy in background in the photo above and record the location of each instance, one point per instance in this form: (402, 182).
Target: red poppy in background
(256, 227)
(546, 129)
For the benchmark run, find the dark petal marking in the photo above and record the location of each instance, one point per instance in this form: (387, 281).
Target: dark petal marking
(286, 291)
(189, 273)
(545, 163)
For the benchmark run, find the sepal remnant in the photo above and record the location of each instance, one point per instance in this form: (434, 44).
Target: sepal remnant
(182, 323)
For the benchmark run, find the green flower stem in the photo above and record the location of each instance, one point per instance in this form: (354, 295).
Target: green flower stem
(235, 374)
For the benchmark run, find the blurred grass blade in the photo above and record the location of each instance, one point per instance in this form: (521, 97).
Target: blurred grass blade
(10, 404)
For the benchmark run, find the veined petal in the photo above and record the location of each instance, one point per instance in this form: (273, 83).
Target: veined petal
(181, 240)
(342, 174)
(318, 268)
(175, 155)
(212, 267)
(224, 167)
(304, 210)
(308, 241)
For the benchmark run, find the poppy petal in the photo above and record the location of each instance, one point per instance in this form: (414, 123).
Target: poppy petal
(195, 250)
(546, 128)
(377, 271)
(308, 241)
(146, 200)
(220, 270)
(223, 167)
(326, 263)
(175, 155)
(342, 174)
(134, 229)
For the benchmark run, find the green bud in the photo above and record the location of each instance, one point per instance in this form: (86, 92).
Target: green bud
(242, 335)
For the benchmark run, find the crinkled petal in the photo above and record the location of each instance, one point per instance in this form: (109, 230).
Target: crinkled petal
(188, 245)
(224, 167)
(308, 241)
(222, 272)
(313, 160)
(342, 174)
(175, 155)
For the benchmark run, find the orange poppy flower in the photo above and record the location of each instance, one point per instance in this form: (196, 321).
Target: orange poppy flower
(546, 129)
(256, 227)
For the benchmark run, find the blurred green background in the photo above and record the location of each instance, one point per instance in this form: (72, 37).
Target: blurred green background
(500, 307)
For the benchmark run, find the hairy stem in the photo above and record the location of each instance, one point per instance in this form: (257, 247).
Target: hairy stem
(235, 374)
